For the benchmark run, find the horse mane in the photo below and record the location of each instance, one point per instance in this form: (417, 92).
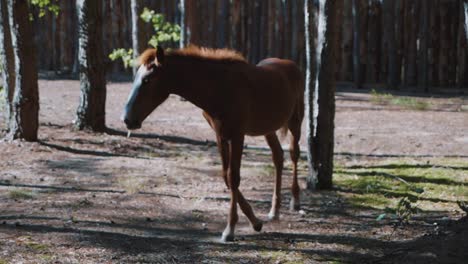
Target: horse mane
(209, 54)
(146, 57)
(192, 51)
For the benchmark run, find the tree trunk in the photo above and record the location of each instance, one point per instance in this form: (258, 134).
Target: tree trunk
(463, 47)
(373, 40)
(465, 8)
(411, 33)
(137, 25)
(444, 43)
(435, 43)
(423, 60)
(91, 111)
(390, 39)
(7, 63)
(25, 118)
(347, 43)
(357, 69)
(325, 83)
(310, 92)
(183, 30)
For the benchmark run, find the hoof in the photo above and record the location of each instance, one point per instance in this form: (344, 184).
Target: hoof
(227, 236)
(258, 226)
(273, 216)
(294, 205)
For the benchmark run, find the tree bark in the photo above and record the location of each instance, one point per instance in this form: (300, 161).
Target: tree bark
(357, 76)
(183, 30)
(412, 15)
(462, 80)
(325, 84)
(374, 42)
(309, 93)
(25, 118)
(465, 20)
(444, 44)
(423, 60)
(435, 43)
(7, 63)
(137, 25)
(347, 43)
(91, 110)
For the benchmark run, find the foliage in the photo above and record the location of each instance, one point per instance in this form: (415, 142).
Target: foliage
(165, 32)
(125, 55)
(21, 194)
(406, 102)
(405, 209)
(380, 98)
(46, 5)
(400, 188)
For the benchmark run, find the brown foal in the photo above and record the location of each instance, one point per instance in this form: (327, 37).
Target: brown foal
(238, 99)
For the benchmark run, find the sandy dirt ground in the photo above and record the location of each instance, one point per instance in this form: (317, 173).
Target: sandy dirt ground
(157, 197)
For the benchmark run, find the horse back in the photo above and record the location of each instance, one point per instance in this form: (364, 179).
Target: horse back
(275, 92)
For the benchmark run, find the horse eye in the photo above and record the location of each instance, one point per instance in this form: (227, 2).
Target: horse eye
(145, 80)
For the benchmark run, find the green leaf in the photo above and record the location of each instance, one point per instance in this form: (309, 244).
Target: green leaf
(163, 32)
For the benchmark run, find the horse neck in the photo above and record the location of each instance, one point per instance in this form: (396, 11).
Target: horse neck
(193, 80)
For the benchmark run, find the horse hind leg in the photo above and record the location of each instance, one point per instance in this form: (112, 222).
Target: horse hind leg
(277, 155)
(294, 150)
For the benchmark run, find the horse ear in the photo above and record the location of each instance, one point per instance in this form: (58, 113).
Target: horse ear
(159, 56)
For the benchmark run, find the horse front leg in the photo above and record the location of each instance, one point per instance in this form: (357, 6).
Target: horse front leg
(236, 145)
(224, 151)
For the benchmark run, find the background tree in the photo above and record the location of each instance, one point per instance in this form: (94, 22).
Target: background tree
(357, 76)
(91, 110)
(310, 27)
(7, 66)
(465, 7)
(423, 53)
(137, 24)
(164, 32)
(326, 51)
(390, 39)
(25, 117)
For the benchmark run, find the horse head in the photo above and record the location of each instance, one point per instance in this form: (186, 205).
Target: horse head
(149, 90)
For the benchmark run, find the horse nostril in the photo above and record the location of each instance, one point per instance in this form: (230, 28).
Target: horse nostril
(126, 121)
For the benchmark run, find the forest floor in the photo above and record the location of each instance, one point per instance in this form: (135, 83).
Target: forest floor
(158, 197)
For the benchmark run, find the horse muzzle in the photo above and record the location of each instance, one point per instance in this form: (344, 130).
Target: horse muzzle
(131, 124)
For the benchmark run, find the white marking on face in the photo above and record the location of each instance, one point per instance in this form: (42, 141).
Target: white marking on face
(142, 71)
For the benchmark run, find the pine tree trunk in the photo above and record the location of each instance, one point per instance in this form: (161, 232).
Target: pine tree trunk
(373, 47)
(465, 20)
(325, 81)
(452, 51)
(7, 62)
(309, 92)
(444, 44)
(347, 43)
(435, 43)
(25, 118)
(463, 47)
(137, 25)
(91, 110)
(182, 23)
(412, 15)
(357, 69)
(423, 59)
